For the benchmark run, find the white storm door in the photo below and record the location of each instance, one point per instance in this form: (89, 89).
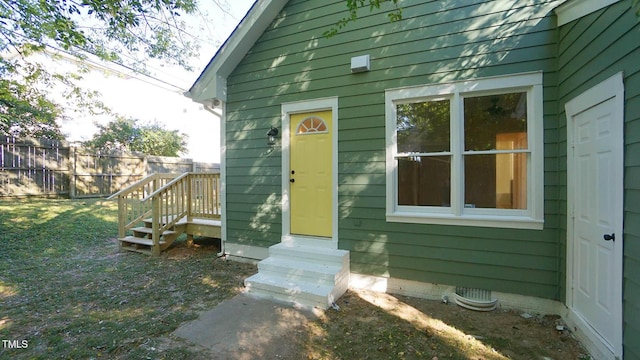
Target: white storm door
(597, 170)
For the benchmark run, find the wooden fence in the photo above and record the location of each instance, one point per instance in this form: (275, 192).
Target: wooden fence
(55, 168)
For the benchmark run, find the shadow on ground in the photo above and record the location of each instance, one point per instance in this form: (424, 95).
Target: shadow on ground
(375, 326)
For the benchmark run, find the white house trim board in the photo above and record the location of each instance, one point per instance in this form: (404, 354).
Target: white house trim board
(223, 177)
(575, 9)
(611, 89)
(288, 109)
(220, 113)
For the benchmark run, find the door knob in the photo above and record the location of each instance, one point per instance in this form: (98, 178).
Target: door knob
(292, 180)
(611, 237)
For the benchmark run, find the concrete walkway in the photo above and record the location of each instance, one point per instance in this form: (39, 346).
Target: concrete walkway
(245, 328)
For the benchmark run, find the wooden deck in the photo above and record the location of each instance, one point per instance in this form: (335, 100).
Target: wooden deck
(155, 211)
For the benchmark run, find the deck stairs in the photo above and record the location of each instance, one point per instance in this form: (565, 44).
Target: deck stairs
(307, 273)
(142, 238)
(155, 211)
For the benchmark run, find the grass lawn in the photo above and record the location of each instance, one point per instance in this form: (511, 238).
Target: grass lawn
(67, 291)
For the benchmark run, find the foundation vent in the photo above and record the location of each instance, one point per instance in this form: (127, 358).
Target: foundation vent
(475, 299)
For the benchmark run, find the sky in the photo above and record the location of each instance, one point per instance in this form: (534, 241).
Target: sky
(150, 101)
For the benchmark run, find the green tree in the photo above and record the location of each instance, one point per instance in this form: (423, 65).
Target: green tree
(353, 6)
(25, 111)
(122, 31)
(128, 135)
(155, 140)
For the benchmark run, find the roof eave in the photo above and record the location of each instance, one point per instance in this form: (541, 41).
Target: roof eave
(571, 10)
(212, 82)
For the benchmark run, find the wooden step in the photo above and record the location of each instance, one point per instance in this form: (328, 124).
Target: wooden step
(140, 241)
(148, 231)
(141, 245)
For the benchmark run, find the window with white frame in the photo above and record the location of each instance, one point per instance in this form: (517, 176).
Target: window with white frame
(467, 153)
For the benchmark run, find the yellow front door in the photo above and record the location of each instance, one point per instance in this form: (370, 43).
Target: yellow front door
(310, 175)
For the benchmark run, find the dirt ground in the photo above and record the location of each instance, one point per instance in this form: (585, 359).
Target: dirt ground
(369, 325)
(431, 329)
(67, 289)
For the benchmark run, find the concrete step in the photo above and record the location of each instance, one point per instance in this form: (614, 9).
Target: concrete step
(301, 294)
(310, 241)
(308, 276)
(313, 254)
(294, 269)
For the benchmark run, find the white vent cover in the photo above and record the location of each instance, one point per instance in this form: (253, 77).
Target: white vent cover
(360, 64)
(475, 299)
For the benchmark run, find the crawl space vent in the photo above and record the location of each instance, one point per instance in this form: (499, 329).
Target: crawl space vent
(475, 299)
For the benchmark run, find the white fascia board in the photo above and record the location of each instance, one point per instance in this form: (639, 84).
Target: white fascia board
(575, 9)
(212, 83)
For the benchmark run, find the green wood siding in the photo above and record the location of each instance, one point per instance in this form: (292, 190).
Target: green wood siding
(437, 41)
(591, 49)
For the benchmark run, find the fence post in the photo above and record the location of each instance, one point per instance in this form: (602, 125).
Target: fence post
(72, 171)
(145, 164)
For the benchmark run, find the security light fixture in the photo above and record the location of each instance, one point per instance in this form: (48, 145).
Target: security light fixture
(271, 136)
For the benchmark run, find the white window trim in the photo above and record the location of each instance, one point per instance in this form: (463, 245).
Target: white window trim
(532, 217)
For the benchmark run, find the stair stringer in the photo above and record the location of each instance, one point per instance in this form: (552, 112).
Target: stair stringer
(301, 274)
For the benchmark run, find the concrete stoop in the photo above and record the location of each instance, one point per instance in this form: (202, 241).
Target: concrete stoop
(304, 275)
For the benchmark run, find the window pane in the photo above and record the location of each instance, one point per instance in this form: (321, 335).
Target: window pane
(488, 118)
(424, 181)
(423, 127)
(496, 181)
